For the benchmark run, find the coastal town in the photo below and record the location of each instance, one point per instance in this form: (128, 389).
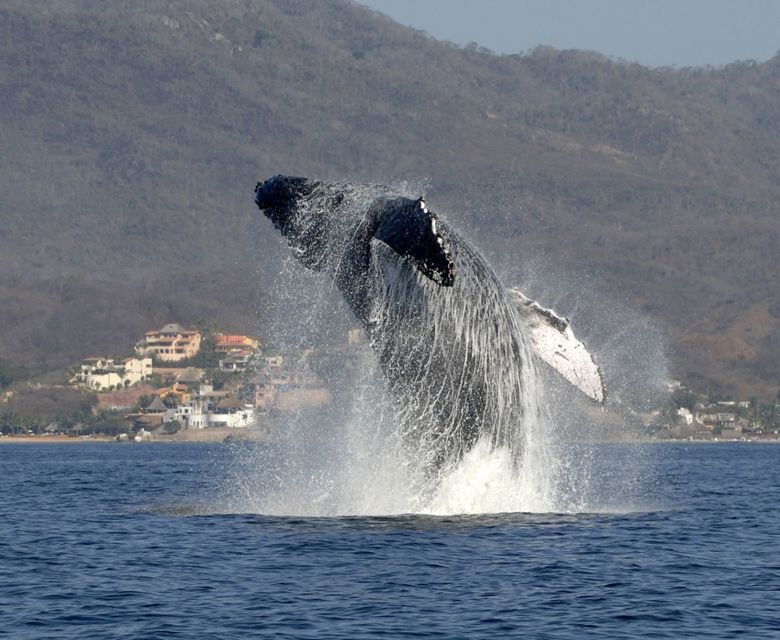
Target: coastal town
(200, 384)
(691, 416)
(178, 384)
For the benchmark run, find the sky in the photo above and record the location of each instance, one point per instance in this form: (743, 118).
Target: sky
(654, 33)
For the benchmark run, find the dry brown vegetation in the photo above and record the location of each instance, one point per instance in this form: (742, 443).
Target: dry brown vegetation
(132, 137)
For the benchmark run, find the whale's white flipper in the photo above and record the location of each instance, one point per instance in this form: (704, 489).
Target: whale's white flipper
(552, 340)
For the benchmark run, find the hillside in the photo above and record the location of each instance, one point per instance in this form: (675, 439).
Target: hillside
(133, 136)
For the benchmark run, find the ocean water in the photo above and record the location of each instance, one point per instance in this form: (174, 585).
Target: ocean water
(139, 541)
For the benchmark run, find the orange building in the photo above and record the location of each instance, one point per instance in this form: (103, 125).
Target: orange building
(229, 343)
(180, 393)
(170, 344)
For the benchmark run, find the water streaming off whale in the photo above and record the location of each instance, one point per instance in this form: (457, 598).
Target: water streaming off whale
(448, 413)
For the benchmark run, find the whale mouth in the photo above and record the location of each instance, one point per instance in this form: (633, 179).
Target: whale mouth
(282, 191)
(272, 193)
(263, 192)
(277, 198)
(408, 226)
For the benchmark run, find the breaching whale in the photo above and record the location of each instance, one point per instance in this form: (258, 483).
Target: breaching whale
(454, 344)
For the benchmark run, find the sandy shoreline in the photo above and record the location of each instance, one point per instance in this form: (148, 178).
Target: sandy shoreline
(52, 439)
(206, 435)
(218, 435)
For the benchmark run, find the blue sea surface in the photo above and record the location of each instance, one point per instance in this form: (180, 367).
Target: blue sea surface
(122, 541)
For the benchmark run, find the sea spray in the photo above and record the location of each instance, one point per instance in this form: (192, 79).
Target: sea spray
(483, 438)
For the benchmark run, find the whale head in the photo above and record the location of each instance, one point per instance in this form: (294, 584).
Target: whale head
(293, 206)
(322, 224)
(278, 197)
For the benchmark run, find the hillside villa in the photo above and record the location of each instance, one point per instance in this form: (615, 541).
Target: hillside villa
(101, 374)
(229, 343)
(237, 351)
(236, 362)
(172, 343)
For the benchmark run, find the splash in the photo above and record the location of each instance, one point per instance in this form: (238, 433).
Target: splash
(482, 438)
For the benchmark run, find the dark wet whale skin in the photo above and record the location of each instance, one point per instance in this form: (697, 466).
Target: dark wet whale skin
(448, 340)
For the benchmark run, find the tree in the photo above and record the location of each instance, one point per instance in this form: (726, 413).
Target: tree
(769, 415)
(207, 357)
(261, 35)
(10, 373)
(682, 398)
(172, 426)
(44, 404)
(220, 378)
(11, 423)
(754, 407)
(719, 396)
(109, 423)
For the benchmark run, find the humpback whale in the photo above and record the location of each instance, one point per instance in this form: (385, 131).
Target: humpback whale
(456, 347)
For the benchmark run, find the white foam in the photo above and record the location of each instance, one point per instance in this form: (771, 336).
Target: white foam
(362, 464)
(484, 482)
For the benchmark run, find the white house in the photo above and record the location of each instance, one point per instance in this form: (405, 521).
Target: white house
(137, 369)
(103, 373)
(684, 416)
(209, 408)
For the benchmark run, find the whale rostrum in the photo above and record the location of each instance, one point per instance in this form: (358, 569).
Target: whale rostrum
(456, 347)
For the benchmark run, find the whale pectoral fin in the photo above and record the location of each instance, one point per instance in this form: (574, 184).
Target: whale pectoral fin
(412, 231)
(553, 341)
